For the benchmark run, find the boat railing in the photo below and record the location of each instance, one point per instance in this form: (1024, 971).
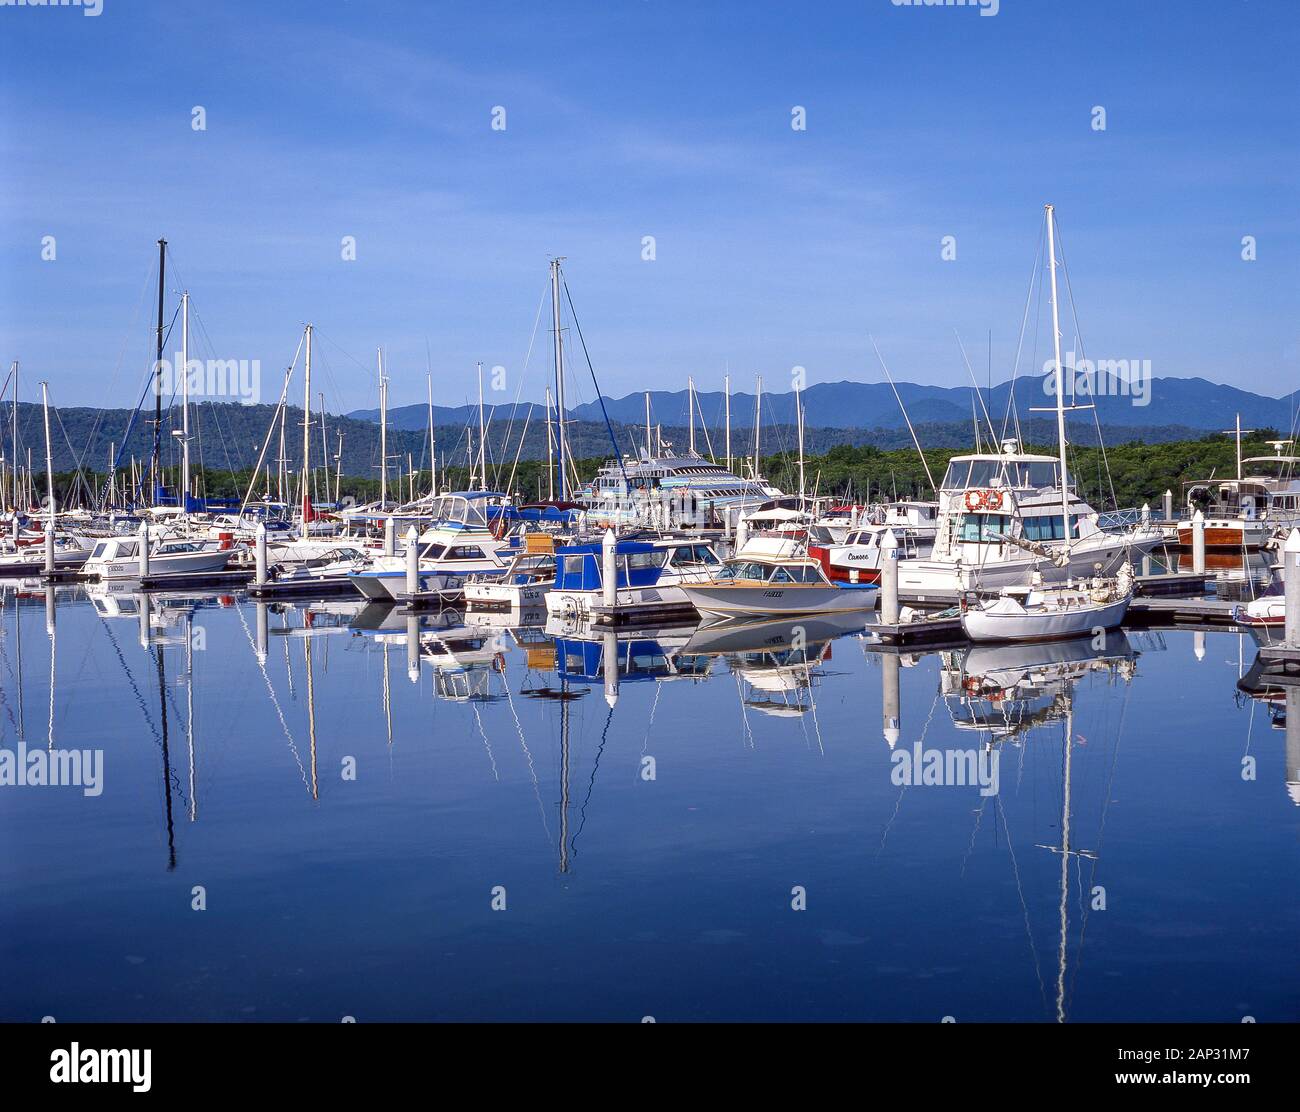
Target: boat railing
(1117, 520)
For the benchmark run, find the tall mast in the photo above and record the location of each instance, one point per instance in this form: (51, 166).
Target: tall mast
(14, 438)
(383, 433)
(49, 461)
(798, 414)
(649, 448)
(559, 376)
(306, 439)
(324, 445)
(727, 388)
(550, 451)
(155, 463)
(185, 403)
(758, 419)
(433, 459)
(1060, 388)
(690, 405)
(482, 435)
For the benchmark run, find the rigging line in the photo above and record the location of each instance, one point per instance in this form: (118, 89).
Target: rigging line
(515, 466)
(591, 784)
(528, 756)
(599, 396)
(1101, 832)
(970, 371)
(906, 418)
(275, 702)
(528, 355)
(1024, 907)
(1035, 278)
(1078, 335)
(898, 803)
(486, 744)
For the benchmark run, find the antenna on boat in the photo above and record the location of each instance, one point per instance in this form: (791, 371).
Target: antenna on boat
(1237, 431)
(903, 408)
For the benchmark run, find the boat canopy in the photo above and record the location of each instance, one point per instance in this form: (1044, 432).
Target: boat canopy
(578, 567)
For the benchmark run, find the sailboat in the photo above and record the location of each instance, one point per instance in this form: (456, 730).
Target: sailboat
(1032, 611)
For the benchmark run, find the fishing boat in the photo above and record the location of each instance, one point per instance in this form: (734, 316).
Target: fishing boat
(775, 586)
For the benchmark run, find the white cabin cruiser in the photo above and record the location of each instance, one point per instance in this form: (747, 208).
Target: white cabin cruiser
(1001, 518)
(458, 544)
(119, 557)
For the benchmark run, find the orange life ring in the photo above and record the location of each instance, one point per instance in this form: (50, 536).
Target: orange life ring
(993, 499)
(974, 499)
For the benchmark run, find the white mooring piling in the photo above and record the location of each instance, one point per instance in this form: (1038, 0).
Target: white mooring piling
(890, 702)
(413, 645)
(412, 562)
(1291, 579)
(889, 578)
(609, 569)
(49, 548)
(1198, 543)
(260, 555)
(263, 631)
(144, 549)
(390, 536)
(1169, 505)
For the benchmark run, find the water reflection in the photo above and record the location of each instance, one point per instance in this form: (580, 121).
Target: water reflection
(648, 764)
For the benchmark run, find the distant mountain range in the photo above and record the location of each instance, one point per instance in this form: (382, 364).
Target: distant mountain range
(1184, 403)
(228, 436)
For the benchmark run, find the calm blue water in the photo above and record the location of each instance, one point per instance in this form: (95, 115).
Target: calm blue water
(628, 896)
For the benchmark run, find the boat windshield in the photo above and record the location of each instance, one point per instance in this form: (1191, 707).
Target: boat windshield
(745, 569)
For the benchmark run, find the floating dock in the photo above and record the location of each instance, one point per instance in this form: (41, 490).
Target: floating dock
(302, 588)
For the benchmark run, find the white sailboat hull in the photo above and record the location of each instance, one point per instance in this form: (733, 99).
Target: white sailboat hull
(1016, 624)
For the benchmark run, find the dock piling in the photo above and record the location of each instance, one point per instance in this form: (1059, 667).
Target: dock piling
(1291, 580)
(144, 550)
(1198, 543)
(260, 545)
(889, 578)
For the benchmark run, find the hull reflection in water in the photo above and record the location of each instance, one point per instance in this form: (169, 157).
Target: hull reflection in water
(645, 801)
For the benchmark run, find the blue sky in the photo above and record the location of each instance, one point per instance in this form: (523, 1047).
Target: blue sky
(774, 247)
